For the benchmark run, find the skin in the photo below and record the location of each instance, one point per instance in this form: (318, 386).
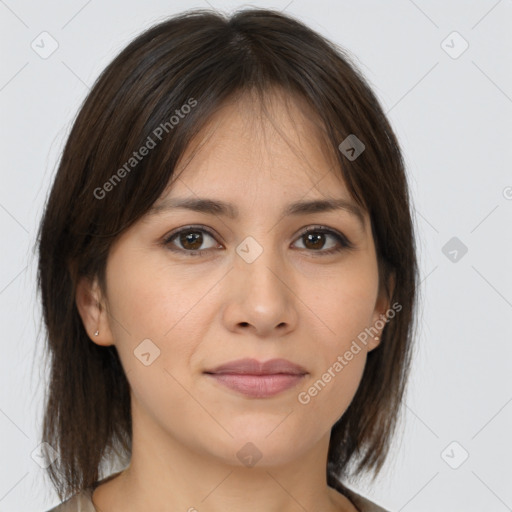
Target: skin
(200, 311)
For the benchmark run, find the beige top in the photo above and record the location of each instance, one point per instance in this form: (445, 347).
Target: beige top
(81, 502)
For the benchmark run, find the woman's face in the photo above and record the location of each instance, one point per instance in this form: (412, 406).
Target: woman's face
(260, 289)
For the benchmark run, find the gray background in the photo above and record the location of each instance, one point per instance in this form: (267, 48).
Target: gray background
(452, 114)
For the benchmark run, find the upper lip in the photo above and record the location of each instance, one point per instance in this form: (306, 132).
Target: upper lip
(255, 367)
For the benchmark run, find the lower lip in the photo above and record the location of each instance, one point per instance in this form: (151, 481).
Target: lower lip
(257, 386)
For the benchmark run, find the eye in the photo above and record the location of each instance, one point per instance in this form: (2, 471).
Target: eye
(315, 240)
(190, 239)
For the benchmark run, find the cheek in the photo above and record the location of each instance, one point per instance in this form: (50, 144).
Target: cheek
(158, 316)
(340, 359)
(343, 301)
(341, 311)
(151, 301)
(328, 394)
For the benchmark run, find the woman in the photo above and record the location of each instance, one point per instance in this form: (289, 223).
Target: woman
(228, 275)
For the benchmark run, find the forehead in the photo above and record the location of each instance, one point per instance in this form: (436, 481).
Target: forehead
(250, 148)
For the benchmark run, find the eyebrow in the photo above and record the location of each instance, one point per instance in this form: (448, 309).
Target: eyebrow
(222, 208)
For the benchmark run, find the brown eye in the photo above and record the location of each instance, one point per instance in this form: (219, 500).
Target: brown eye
(189, 240)
(316, 239)
(320, 240)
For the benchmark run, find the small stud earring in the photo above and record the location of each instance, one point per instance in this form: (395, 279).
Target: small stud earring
(96, 333)
(377, 338)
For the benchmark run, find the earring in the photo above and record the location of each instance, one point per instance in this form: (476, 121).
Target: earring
(377, 338)
(96, 333)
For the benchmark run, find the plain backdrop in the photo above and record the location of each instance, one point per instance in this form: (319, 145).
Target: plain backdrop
(442, 71)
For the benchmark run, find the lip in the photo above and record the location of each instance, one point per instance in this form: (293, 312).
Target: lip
(254, 367)
(258, 379)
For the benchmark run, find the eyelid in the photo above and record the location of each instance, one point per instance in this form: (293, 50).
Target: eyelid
(342, 239)
(169, 236)
(318, 228)
(190, 227)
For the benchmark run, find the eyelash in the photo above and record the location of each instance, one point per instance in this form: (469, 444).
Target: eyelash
(341, 239)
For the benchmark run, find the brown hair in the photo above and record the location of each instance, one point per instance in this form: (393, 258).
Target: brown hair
(204, 57)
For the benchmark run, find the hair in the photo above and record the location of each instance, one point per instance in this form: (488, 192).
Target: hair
(203, 59)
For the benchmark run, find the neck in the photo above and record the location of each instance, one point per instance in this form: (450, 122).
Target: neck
(167, 475)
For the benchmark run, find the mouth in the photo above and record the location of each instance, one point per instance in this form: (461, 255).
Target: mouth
(258, 380)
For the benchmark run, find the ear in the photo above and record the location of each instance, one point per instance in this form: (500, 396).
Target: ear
(92, 308)
(379, 316)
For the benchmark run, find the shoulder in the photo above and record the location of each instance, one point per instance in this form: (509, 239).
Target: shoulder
(362, 503)
(358, 501)
(80, 502)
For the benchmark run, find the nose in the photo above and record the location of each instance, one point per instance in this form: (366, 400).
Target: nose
(260, 296)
